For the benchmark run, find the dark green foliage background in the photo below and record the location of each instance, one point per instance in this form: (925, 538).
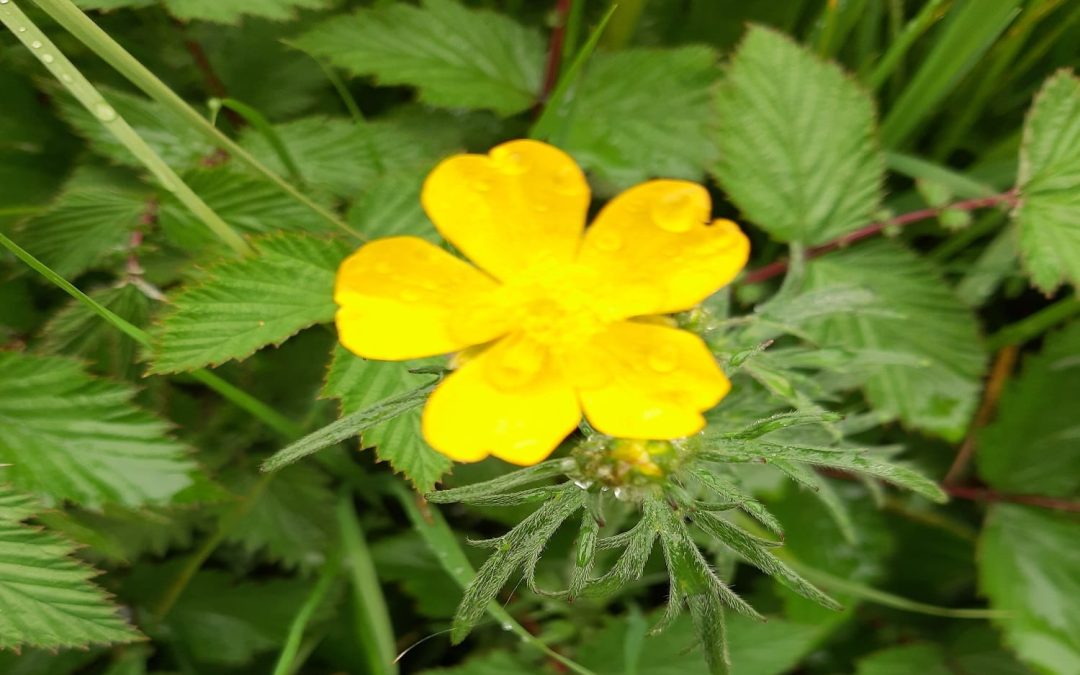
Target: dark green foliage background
(124, 462)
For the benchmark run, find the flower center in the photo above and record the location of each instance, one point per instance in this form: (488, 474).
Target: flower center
(555, 305)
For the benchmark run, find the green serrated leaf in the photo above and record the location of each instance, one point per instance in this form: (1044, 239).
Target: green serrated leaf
(179, 144)
(250, 205)
(291, 521)
(245, 304)
(77, 330)
(622, 127)
(74, 437)
(1033, 445)
(797, 147)
(391, 207)
(940, 393)
(456, 57)
(1028, 560)
(359, 383)
(46, 594)
(84, 228)
(231, 11)
(1048, 217)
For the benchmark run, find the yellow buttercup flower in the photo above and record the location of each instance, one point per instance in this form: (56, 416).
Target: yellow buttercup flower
(553, 322)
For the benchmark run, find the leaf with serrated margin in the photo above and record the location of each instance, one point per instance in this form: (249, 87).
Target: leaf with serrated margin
(74, 437)
(640, 113)
(1033, 445)
(245, 304)
(456, 57)
(937, 392)
(1028, 562)
(1048, 217)
(46, 595)
(359, 383)
(798, 152)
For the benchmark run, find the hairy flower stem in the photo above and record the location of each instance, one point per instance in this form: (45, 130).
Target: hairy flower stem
(780, 266)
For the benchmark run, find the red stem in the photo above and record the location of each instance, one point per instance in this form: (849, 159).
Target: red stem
(558, 35)
(780, 266)
(987, 495)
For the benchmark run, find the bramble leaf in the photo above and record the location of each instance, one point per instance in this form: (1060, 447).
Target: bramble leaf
(47, 596)
(1027, 566)
(654, 124)
(359, 383)
(74, 437)
(797, 147)
(1033, 445)
(456, 57)
(929, 323)
(1048, 216)
(243, 305)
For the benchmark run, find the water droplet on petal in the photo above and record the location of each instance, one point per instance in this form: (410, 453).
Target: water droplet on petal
(509, 161)
(65, 77)
(36, 44)
(607, 241)
(678, 211)
(568, 181)
(104, 112)
(583, 484)
(47, 58)
(664, 358)
(516, 365)
(22, 29)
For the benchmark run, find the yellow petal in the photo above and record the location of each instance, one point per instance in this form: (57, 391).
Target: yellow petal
(655, 247)
(657, 381)
(511, 401)
(522, 204)
(398, 299)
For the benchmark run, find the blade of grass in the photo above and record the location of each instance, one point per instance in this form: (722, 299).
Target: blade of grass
(257, 120)
(86, 94)
(624, 25)
(971, 29)
(545, 126)
(930, 14)
(991, 77)
(73, 20)
(375, 632)
(921, 169)
(441, 540)
(264, 413)
(1035, 325)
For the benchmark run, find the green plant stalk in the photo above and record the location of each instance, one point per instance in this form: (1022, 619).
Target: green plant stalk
(930, 13)
(625, 24)
(73, 20)
(545, 126)
(440, 539)
(965, 38)
(86, 94)
(238, 397)
(343, 93)
(921, 169)
(1035, 325)
(573, 30)
(992, 77)
(1044, 44)
(376, 633)
(195, 561)
(257, 120)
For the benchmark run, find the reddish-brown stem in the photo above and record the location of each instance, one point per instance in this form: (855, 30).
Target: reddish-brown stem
(776, 268)
(982, 494)
(555, 47)
(987, 495)
(1003, 366)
